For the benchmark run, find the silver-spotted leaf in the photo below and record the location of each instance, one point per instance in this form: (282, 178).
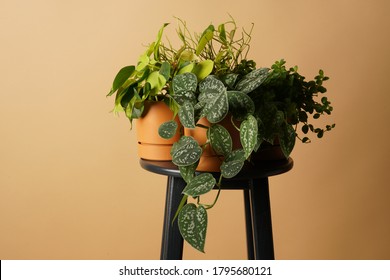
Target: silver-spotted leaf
(188, 172)
(182, 97)
(186, 115)
(229, 80)
(248, 134)
(238, 154)
(167, 129)
(211, 85)
(240, 105)
(199, 185)
(287, 139)
(216, 108)
(184, 82)
(229, 169)
(220, 139)
(252, 80)
(192, 222)
(186, 151)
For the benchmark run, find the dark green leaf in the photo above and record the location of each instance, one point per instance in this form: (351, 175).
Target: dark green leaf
(229, 80)
(240, 105)
(199, 185)
(238, 154)
(211, 85)
(229, 169)
(217, 108)
(186, 82)
(186, 151)
(165, 70)
(121, 78)
(252, 80)
(168, 129)
(220, 139)
(186, 115)
(182, 97)
(192, 223)
(248, 134)
(188, 172)
(287, 139)
(305, 128)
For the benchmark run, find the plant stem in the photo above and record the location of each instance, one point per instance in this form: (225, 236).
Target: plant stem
(216, 198)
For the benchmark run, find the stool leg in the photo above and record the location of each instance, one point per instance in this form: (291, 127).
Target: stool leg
(248, 224)
(172, 242)
(261, 219)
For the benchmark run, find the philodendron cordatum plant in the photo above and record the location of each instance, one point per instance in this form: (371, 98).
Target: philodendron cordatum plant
(210, 77)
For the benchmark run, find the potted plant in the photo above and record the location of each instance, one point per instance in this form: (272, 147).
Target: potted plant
(212, 89)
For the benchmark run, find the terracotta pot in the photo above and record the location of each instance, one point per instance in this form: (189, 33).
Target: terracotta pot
(209, 160)
(150, 145)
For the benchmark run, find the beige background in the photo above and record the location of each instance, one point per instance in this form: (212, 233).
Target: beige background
(70, 183)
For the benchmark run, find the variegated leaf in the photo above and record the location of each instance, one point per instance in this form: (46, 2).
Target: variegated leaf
(217, 108)
(199, 185)
(188, 172)
(252, 80)
(238, 154)
(240, 104)
(248, 134)
(186, 115)
(185, 96)
(220, 139)
(287, 139)
(184, 82)
(168, 129)
(186, 151)
(229, 169)
(211, 85)
(192, 224)
(229, 80)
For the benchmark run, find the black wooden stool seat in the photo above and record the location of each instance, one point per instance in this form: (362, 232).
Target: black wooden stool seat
(253, 180)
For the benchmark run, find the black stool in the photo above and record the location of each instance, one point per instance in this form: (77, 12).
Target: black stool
(253, 180)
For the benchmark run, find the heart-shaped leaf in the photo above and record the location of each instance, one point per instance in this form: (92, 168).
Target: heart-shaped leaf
(186, 115)
(184, 82)
(188, 172)
(240, 104)
(156, 81)
(229, 80)
(229, 169)
(192, 222)
(199, 185)
(167, 129)
(252, 80)
(220, 139)
(121, 78)
(165, 70)
(211, 85)
(287, 139)
(186, 151)
(248, 134)
(238, 154)
(214, 98)
(182, 97)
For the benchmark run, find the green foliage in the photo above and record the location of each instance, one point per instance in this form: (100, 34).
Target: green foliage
(209, 76)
